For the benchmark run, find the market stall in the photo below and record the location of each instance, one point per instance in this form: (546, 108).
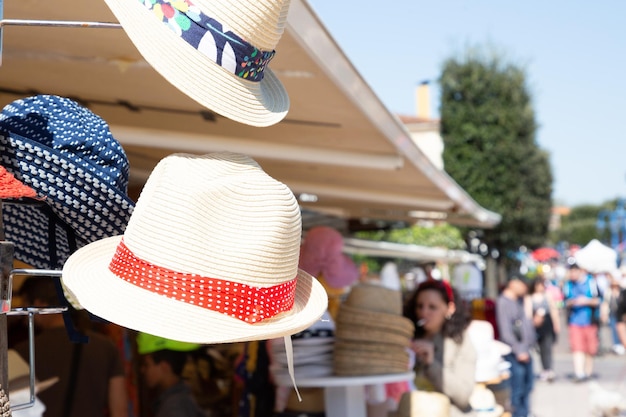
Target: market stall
(337, 131)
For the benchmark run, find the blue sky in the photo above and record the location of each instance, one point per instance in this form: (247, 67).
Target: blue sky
(573, 52)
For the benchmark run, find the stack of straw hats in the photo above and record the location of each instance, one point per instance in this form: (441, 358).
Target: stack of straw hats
(372, 336)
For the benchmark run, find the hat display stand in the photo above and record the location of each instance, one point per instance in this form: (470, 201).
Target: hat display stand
(7, 273)
(7, 248)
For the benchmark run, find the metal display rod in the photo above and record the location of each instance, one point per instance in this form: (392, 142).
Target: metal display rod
(6, 264)
(7, 248)
(58, 23)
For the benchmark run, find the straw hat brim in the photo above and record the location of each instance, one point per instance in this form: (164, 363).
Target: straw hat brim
(261, 103)
(87, 277)
(21, 385)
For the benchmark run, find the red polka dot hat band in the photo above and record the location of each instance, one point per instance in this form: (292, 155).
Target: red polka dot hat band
(241, 301)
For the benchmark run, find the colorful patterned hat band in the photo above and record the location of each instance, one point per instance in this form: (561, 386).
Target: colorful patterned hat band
(207, 35)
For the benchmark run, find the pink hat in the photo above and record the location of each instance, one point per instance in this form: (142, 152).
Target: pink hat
(321, 254)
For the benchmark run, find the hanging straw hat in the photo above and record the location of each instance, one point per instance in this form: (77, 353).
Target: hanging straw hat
(19, 375)
(68, 156)
(210, 255)
(214, 51)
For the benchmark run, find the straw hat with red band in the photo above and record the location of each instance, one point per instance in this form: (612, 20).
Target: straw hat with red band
(215, 51)
(210, 255)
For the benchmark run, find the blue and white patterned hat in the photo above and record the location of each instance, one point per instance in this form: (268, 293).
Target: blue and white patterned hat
(69, 157)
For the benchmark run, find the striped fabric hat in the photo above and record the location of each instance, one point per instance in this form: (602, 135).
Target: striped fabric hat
(68, 156)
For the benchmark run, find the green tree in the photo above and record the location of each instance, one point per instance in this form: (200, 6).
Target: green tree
(580, 226)
(439, 235)
(488, 127)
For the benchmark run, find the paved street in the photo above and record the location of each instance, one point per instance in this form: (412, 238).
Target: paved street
(563, 397)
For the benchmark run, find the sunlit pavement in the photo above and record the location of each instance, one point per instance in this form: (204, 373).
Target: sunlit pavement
(565, 398)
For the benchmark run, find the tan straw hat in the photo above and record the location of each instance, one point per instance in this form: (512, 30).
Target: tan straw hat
(210, 255)
(19, 375)
(375, 297)
(214, 51)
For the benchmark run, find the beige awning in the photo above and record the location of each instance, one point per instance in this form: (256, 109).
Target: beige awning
(339, 149)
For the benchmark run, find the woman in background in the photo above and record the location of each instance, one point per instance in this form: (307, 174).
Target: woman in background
(543, 312)
(445, 359)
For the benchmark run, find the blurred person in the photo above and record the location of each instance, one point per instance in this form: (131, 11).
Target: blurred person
(610, 302)
(91, 375)
(620, 317)
(542, 310)
(601, 313)
(162, 364)
(516, 330)
(582, 300)
(445, 358)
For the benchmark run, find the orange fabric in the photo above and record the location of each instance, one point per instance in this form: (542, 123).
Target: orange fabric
(10, 187)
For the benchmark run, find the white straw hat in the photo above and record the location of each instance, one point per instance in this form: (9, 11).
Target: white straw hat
(210, 255)
(214, 51)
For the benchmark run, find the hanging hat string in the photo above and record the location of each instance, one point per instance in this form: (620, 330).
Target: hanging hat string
(289, 353)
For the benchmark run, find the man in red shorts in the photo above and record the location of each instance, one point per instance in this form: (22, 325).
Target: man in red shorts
(582, 299)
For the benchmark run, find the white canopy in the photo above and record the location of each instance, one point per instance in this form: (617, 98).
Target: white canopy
(418, 253)
(596, 257)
